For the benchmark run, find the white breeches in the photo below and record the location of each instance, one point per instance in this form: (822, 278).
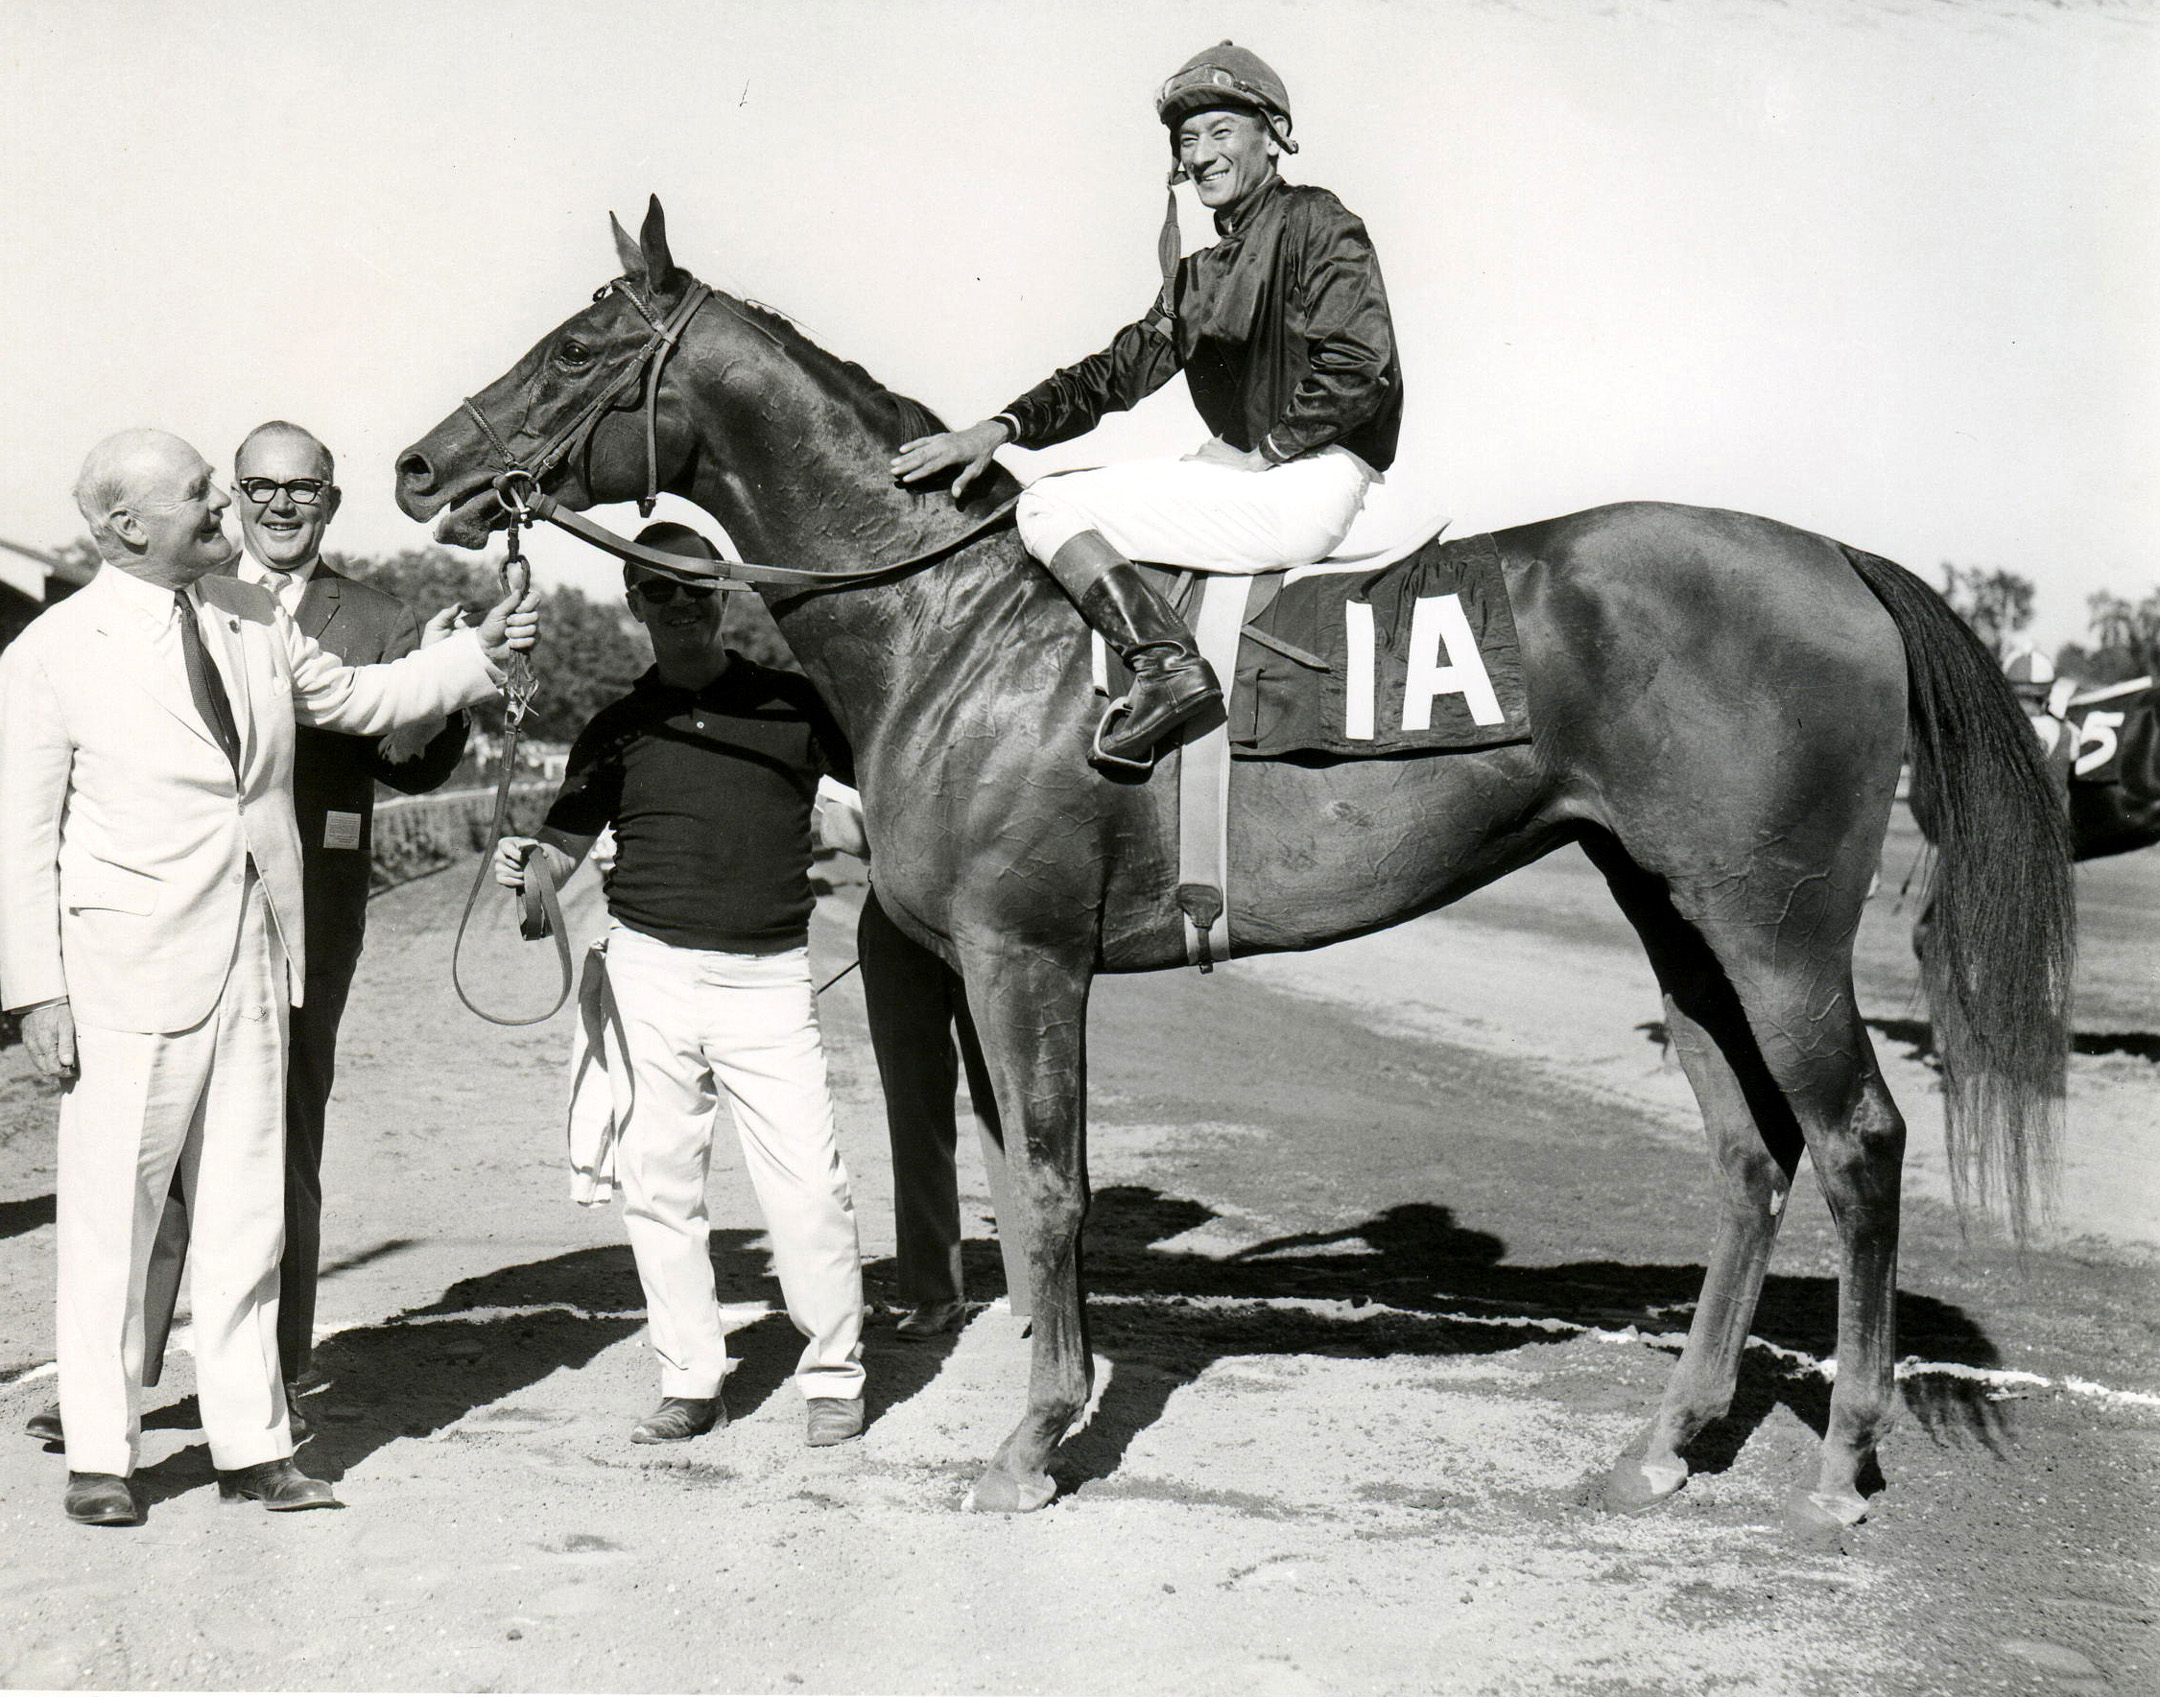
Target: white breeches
(1213, 518)
(211, 1103)
(696, 1023)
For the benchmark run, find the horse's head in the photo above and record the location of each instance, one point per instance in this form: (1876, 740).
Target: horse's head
(581, 414)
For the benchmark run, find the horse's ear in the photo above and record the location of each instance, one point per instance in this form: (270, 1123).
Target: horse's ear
(652, 243)
(631, 255)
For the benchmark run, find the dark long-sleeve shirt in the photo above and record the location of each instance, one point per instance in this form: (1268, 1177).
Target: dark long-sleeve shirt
(1282, 331)
(709, 792)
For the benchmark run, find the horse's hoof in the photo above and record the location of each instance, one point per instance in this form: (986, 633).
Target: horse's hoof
(1821, 1515)
(1002, 1493)
(1632, 1484)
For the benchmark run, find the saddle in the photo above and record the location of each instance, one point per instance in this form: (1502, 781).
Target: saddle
(1349, 659)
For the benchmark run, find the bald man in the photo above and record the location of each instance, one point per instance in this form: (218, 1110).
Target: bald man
(285, 488)
(151, 935)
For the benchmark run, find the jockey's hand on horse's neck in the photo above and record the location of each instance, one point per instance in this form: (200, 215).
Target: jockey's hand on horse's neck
(970, 449)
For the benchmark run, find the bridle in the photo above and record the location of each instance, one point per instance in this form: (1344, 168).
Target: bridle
(518, 483)
(516, 486)
(572, 435)
(518, 489)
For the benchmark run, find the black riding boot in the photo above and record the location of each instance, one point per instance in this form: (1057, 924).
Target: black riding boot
(1171, 683)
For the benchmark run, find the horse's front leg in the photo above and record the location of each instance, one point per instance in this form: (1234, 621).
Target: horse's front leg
(1030, 1010)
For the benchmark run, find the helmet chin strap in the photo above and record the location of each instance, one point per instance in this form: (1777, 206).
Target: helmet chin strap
(1171, 240)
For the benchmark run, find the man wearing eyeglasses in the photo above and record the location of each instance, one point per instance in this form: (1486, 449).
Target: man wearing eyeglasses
(1283, 332)
(707, 771)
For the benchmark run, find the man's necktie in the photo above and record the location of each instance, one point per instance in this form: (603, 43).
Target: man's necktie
(204, 683)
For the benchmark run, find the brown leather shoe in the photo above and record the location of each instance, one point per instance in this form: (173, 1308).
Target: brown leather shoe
(834, 1420)
(678, 1419)
(932, 1319)
(278, 1485)
(45, 1426)
(102, 1499)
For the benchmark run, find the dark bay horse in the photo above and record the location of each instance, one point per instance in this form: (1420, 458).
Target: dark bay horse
(1721, 705)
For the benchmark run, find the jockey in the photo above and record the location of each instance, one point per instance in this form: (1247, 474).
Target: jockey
(2045, 698)
(1282, 330)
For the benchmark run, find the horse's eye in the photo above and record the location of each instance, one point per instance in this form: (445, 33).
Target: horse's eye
(574, 354)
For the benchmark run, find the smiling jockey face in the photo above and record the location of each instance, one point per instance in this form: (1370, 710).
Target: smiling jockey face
(1228, 153)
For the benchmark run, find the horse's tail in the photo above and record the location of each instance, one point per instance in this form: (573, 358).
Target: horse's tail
(1998, 968)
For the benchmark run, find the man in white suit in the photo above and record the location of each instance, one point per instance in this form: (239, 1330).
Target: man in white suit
(150, 926)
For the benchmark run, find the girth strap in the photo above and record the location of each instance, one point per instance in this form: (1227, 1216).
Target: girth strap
(1203, 887)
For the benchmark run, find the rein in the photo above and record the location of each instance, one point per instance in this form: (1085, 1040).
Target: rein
(539, 908)
(513, 489)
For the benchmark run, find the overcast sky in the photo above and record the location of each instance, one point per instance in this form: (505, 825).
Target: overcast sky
(1886, 270)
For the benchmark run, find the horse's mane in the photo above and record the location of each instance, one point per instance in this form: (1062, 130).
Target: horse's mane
(847, 380)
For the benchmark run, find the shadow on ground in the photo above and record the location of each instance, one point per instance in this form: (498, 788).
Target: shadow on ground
(27, 1214)
(1434, 1287)
(1438, 1289)
(490, 1337)
(1918, 1036)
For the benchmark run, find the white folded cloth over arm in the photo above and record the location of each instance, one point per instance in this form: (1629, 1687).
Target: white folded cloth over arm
(601, 1088)
(838, 816)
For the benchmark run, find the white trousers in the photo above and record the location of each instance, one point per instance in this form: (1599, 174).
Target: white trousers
(211, 1103)
(696, 1023)
(1214, 518)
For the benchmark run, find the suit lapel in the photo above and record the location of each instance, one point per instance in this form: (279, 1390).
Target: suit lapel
(320, 603)
(159, 676)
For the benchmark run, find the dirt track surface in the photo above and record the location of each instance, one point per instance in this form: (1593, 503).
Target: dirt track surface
(1388, 1244)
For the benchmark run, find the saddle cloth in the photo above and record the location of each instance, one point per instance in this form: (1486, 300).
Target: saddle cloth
(2112, 737)
(1415, 657)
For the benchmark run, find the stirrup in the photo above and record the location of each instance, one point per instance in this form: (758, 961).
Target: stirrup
(1100, 756)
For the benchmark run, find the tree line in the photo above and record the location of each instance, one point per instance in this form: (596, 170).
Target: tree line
(2122, 636)
(591, 651)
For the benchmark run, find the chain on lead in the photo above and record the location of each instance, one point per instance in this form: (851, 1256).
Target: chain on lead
(521, 682)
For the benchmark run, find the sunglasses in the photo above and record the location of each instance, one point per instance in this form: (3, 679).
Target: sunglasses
(659, 591)
(305, 491)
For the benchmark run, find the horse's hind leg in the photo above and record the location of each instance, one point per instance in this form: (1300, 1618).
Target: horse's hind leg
(1786, 953)
(1756, 1144)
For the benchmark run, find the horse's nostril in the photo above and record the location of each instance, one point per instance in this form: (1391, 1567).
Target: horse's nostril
(414, 471)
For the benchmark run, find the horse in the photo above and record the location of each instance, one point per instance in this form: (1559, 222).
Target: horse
(1720, 707)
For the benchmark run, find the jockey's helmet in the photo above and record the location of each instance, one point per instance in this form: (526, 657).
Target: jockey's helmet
(2028, 668)
(1225, 75)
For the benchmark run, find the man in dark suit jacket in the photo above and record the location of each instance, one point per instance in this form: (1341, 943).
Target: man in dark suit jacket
(283, 482)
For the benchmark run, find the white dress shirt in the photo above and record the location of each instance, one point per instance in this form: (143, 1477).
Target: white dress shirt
(160, 617)
(286, 587)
